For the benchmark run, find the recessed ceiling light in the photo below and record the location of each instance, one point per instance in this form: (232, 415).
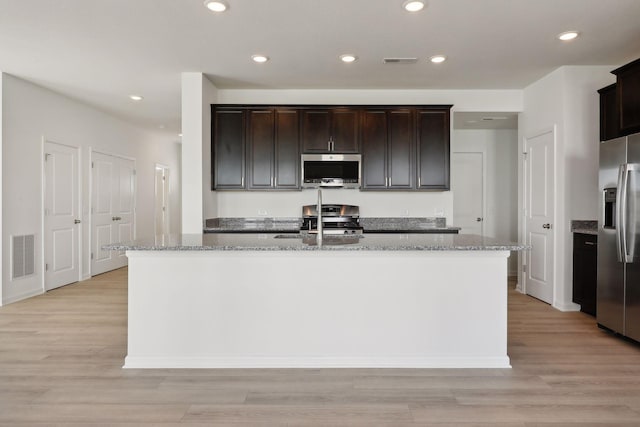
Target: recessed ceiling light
(347, 57)
(136, 97)
(437, 59)
(260, 58)
(568, 35)
(216, 5)
(413, 5)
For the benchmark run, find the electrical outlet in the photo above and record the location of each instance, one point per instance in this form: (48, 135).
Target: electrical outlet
(262, 212)
(439, 212)
(405, 212)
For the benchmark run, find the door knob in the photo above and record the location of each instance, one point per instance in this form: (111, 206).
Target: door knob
(547, 226)
(76, 221)
(478, 219)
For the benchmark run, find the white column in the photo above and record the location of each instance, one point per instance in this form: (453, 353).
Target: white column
(197, 95)
(1, 195)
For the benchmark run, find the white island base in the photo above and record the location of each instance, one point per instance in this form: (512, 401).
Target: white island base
(317, 309)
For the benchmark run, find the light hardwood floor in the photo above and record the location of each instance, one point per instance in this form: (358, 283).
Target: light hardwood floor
(61, 355)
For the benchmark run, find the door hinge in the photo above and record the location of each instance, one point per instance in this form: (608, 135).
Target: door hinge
(46, 157)
(46, 267)
(524, 268)
(524, 153)
(91, 255)
(92, 165)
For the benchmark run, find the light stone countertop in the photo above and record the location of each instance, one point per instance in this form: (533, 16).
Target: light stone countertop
(584, 227)
(308, 242)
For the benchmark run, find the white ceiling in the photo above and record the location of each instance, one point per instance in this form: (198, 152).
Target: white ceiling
(99, 52)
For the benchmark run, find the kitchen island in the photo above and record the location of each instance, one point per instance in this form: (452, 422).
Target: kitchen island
(283, 301)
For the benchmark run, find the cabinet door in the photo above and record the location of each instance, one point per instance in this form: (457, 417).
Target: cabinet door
(374, 149)
(345, 131)
(433, 149)
(316, 131)
(628, 88)
(585, 254)
(609, 115)
(287, 150)
(228, 150)
(260, 144)
(400, 150)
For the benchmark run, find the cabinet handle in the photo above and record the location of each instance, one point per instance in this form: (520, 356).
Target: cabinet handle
(419, 182)
(329, 145)
(590, 243)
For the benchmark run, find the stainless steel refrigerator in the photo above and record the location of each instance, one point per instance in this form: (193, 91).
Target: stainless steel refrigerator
(618, 301)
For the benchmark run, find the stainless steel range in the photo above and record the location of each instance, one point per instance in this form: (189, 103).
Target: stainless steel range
(336, 219)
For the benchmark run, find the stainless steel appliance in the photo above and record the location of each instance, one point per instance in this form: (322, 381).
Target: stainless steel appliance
(331, 170)
(336, 219)
(618, 301)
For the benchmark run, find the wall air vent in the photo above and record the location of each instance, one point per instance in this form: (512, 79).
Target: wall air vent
(400, 60)
(22, 256)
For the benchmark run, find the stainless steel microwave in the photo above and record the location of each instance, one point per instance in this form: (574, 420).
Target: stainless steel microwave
(331, 170)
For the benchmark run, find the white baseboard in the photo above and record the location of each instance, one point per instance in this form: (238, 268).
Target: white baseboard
(22, 296)
(569, 306)
(139, 362)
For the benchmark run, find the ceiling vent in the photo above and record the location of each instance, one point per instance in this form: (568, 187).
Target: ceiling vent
(400, 60)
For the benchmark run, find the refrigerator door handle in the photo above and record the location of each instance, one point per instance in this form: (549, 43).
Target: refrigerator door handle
(630, 212)
(621, 207)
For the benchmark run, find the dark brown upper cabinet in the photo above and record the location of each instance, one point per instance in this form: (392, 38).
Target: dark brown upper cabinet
(257, 147)
(330, 130)
(628, 97)
(228, 151)
(609, 115)
(388, 149)
(273, 160)
(287, 149)
(433, 148)
(260, 149)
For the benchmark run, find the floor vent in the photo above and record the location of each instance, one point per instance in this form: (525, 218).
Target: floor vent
(400, 60)
(23, 255)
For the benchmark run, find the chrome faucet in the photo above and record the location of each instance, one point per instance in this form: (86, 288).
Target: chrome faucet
(319, 227)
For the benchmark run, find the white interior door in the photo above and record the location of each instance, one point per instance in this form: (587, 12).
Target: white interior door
(113, 209)
(467, 184)
(162, 200)
(61, 219)
(539, 214)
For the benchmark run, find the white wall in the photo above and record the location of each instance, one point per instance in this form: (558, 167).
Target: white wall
(1, 183)
(567, 98)
(32, 114)
(501, 198)
(252, 204)
(462, 100)
(372, 203)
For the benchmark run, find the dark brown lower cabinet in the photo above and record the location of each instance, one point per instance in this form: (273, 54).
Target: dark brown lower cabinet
(585, 261)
